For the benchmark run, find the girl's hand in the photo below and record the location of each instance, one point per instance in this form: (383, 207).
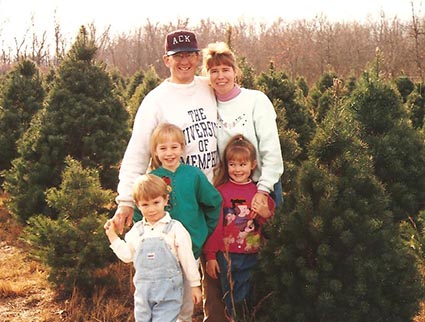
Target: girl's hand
(212, 268)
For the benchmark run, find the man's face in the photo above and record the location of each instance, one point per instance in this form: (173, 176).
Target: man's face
(182, 66)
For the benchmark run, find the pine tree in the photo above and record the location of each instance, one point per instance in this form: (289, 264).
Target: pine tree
(83, 118)
(415, 105)
(149, 82)
(334, 254)
(397, 149)
(74, 246)
(277, 86)
(22, 96)
(404, 86)
(302, 84)
(247, 79)
(135, 81)
(290, 149)
(321, 96)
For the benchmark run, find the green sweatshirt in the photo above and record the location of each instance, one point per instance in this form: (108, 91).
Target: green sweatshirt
(194, 201)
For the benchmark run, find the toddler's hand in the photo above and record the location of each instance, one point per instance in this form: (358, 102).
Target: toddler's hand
(196, 295)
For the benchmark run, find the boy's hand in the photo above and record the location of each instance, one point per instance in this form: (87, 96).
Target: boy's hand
(110, 230)
(196, 295)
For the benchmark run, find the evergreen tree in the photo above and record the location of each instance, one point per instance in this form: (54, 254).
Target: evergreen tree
(334, 254)
(277, 86)
(119, 84)
(413, 234)
(290, 149)
(350, 85)
(22, 96)
(302, 84)
(397, 149)
(317, 107)
(83, 118)
(150, 81)
(74, 246)
(247, 79)
(135, 81)
(415, 105)
(404, 86)
(321, 96)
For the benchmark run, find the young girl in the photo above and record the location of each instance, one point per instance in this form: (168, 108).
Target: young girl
(237, 238)
(248, 112)
(193, 201)
(160, 249)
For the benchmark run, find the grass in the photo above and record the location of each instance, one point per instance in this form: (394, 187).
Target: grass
(27, 296)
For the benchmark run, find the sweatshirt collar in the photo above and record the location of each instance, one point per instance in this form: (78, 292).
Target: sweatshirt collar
(240, 183)
(235, 91)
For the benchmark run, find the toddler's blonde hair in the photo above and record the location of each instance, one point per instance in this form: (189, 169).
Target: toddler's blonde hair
(148, 187)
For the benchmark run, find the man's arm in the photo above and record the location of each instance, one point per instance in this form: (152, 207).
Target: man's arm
(135, 161)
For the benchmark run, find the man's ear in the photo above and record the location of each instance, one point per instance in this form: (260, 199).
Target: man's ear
(166, 58)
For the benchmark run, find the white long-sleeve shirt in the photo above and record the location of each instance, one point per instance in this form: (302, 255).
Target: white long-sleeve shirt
(252, 114)
(193, 108)
(178, 239)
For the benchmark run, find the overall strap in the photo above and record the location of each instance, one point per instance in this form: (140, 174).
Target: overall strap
(168, 227)
(141, 229)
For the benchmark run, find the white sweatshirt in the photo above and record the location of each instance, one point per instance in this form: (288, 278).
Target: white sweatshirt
(193, 108)
(252, 114)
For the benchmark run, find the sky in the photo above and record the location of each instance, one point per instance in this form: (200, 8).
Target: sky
(20, 16)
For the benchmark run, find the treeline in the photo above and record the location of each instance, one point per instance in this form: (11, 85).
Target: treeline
(306, 48)
(347, 243)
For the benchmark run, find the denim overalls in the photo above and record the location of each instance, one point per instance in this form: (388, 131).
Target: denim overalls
(158, 280)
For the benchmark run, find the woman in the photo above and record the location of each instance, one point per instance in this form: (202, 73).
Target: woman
(247, 112)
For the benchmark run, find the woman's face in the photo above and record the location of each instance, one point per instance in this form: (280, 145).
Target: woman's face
(222, 78)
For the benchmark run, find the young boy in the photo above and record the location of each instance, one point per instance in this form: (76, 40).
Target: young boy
(161, 250)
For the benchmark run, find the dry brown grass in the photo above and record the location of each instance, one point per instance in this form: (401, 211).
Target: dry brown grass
(421, 315)
(26, 295)
(111, 303)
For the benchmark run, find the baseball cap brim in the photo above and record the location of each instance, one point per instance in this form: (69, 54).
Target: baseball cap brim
(184, 49)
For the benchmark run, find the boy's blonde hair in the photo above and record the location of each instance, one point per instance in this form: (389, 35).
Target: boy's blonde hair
(162, 133)
(148, 187)
(219, 53)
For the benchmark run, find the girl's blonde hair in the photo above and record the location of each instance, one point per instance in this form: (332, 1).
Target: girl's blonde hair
(164, 132)
(219, 53)
(237, 149)
(148, 187)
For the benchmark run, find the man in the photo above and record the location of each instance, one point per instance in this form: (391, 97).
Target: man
(187, 101)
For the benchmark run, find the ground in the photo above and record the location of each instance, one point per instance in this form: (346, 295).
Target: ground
(25, 294)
